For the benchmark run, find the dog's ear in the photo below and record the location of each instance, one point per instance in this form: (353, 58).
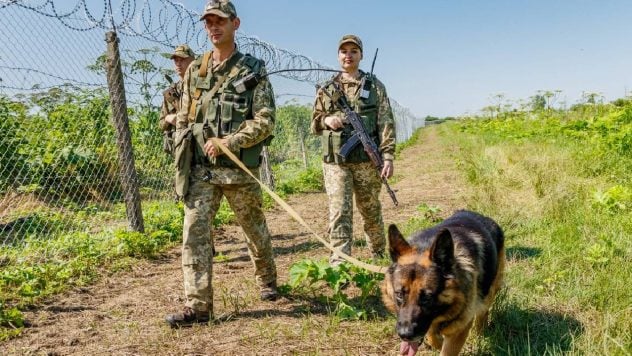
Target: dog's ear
(442, 250)
(397, 245)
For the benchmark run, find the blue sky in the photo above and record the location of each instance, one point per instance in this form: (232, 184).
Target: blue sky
(448, 57)
(437, 57)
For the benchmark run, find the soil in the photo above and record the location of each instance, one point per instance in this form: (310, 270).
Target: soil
(123, 313)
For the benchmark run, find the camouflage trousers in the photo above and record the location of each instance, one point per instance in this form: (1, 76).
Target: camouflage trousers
(200, 207)
(342, 182)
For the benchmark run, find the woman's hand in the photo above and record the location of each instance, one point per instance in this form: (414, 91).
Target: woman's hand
(387, 170)
(333, 122)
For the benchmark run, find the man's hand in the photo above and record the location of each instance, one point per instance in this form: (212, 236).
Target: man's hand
(387, 170)
(171, 119)
(213, 151)
(333, 122)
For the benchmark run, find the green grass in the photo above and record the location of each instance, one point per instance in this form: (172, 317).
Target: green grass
(47, 262)
(564, 199)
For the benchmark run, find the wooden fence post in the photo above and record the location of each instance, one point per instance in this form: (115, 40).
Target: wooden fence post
(127, 169)
(267, 177)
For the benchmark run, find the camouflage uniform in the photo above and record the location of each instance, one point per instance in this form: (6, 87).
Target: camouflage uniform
(171, 99)
(357, 175)
(170, 105)
(215, 178)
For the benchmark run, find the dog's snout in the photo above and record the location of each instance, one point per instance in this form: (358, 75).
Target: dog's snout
(406, 330)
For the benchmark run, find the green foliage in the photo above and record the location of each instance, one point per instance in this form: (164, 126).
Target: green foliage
(50, 262)
(426, 216)
(310, 180)
(611, 131)
(616, 199)
(292, 136)
(558, 182)
(11, 322)
(308, 275)
(225, 214)
(61, 143)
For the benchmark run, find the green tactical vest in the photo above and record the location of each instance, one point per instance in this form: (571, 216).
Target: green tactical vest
(221, 114)
(332, 141)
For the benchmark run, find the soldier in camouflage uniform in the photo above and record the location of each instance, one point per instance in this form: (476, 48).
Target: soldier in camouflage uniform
(355, 175)
(182, 56)
(242, 117)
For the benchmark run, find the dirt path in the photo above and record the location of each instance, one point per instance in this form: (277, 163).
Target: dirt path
(123, 314)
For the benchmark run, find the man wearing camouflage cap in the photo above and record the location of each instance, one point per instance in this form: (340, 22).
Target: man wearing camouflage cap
(356, 174)
(182, 56)
(216, 102)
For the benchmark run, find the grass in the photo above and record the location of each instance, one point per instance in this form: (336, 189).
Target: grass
(568, 239)
(45, 263)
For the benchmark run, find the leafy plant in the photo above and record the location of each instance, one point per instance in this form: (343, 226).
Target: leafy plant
(11, 322)
(309, 275)
(616, 198)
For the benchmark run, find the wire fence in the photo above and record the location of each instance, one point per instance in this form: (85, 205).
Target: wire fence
(60, 154)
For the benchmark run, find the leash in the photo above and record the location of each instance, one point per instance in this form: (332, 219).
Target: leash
(295, 215)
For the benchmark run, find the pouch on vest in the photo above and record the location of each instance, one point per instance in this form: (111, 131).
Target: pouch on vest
(199, 140)
(234, 110)
(331, 142)
(183, 156)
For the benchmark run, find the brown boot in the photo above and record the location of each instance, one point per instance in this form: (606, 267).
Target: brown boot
(269, 292)
(187, 317)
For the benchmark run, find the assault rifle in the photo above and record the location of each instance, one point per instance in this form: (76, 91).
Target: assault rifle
(360, 135)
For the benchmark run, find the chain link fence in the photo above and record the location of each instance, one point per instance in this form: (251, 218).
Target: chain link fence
(61, 157)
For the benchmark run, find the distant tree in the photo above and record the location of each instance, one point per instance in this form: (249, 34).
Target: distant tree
(550, 97)
(292, 133)
(592, 98)
(537, 102)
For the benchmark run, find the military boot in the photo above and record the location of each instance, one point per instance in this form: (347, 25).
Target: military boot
(269, 292)
(187, 317)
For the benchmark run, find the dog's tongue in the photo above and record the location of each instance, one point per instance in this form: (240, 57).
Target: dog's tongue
(408, 348)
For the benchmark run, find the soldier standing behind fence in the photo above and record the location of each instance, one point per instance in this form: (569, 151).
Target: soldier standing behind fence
(355, 175)
(242, 117)
(182, 57)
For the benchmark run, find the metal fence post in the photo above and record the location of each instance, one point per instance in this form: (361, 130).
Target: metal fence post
(127, 169)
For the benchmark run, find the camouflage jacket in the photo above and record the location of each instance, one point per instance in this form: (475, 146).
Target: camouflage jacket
(169, 106)
(249, 133)
(385, 120)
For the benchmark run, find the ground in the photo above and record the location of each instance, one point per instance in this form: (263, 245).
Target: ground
(123, 314)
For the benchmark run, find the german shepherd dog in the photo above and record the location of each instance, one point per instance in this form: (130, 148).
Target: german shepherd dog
(442, 278)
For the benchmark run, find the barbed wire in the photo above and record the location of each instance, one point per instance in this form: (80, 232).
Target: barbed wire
(168, 23)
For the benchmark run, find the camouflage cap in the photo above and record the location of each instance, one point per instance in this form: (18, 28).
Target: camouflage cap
(221, 8)
(350, 39)
(182, 51)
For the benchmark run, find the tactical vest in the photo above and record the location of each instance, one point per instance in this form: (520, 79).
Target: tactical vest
(220, 113)
(332, 141)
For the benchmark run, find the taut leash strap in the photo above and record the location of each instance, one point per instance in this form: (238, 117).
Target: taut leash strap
(294, 214)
